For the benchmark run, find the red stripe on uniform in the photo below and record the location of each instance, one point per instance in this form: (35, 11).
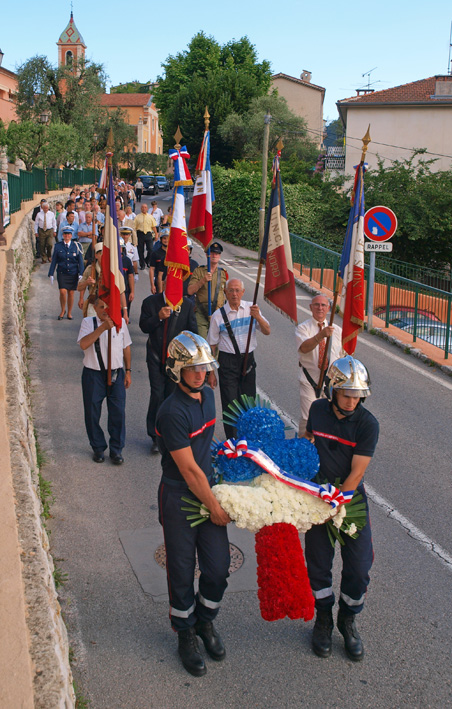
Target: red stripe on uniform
(203, 428)
(334, 438)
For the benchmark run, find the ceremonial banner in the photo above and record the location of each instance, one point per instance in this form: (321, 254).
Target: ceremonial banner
(182, 177)
(112, 279)
(351, 268)
(177, 257)
(200, 223)
(103, 177)
(279, 288)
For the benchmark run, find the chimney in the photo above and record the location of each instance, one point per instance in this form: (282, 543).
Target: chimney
(306, 76)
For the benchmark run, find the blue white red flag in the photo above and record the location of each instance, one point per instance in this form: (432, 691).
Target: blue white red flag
(351, 268)
(279, 288)
(182, 175)
(177, 256)
(112, 279)
(200, 222)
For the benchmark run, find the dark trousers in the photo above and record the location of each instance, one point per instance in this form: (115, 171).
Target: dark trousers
(94, 387)
(45, 243)
(357, 557)
(144, 240)
(138, 193)
(161, 388)
(232, 384)
(181, 543)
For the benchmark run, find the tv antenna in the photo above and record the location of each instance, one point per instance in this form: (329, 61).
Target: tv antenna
(450, 47)
(368, 73)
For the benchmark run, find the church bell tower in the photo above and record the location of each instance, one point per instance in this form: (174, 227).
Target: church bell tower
(71, 47)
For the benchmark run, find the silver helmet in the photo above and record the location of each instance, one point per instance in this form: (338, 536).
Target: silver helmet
(188, 350)
(349, 374)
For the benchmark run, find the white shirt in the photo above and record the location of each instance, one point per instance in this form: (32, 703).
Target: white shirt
(119, 341)
(132, 252)
(158, 215)
(310, 360)
(129, 218)
(50, 221)
(240, 324)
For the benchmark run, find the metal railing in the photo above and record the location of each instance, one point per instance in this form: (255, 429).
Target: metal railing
(22, 187)
(416, 308)
(436, 278)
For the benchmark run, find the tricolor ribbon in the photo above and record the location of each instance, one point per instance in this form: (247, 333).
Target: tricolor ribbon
(327, 492)
(182, 175)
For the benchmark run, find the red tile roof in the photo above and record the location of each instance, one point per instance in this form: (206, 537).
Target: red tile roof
(298, 81)
(416, 92)
(125, 99)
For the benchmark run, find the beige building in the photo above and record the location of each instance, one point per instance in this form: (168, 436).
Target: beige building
(404, 118)
(142, 115)
(305, 99)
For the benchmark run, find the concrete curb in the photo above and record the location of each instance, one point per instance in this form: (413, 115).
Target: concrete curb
(48, 643)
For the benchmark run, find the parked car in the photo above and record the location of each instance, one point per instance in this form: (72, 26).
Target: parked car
(151, 186)
(434, 333)
(163, 182)
(403, 317)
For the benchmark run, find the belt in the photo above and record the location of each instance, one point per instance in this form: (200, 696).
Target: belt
(180, 483)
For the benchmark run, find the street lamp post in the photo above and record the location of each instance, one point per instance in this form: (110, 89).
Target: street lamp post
(44, 119)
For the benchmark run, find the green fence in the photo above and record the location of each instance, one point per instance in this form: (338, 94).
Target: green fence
(417, 308)
(23, 187)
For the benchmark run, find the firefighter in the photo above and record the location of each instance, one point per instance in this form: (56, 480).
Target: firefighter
(184, 426)
(345, 435)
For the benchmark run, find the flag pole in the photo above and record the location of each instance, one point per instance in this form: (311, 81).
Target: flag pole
(110, 146)
(279, 146)
(365, 140)
(209, 283)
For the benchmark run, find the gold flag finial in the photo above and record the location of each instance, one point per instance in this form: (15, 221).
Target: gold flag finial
(178, 137)
(206, 119)
(366, 140)
(110, 141)
(279, 145)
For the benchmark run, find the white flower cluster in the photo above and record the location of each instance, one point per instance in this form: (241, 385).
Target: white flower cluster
(268, 501)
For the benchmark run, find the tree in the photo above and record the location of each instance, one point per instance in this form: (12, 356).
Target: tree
(421, 201)
(25, 140)
(64, 145)
(225, 79)
(132, 87)
(244, 132)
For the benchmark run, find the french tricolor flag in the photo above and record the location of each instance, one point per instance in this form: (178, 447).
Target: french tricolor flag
(112, 284)
(177, 257)
(200, 223)
(279, 288)
(351, 268)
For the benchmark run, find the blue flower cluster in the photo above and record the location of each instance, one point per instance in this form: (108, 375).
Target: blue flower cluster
(263, 428)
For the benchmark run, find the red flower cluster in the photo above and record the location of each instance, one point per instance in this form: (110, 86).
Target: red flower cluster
(282, 577)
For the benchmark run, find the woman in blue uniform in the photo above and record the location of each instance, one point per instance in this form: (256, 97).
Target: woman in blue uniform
(67, 258)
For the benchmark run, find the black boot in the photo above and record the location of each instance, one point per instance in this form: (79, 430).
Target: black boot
(212, 641)
(189, 653)
(323, 630)
(353, 643)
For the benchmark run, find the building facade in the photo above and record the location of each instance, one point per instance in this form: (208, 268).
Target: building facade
(402, 119)
(142, 115)
(305, 99)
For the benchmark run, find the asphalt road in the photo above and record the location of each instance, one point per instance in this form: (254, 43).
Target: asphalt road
(125, 653)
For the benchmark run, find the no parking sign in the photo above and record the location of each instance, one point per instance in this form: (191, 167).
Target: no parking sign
(380, 223)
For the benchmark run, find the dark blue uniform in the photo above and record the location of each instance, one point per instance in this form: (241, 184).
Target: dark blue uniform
(337, 441)
(69, 262)
(183, 421)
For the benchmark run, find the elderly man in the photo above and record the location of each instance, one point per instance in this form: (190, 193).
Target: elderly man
(198, 287)
(86, 231)
(228, 332)
(93, 339)
(311, 338)
(45, 231)
(146, 229)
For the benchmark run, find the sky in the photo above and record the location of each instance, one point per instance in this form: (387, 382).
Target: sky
(399, 41)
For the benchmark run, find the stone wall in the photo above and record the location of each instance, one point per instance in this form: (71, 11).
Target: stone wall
(52, 677)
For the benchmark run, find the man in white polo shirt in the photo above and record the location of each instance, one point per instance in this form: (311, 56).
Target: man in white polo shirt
(228, 332)
(311, 338)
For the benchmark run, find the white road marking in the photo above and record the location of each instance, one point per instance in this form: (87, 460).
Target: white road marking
(373, 346)
(389, 509)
